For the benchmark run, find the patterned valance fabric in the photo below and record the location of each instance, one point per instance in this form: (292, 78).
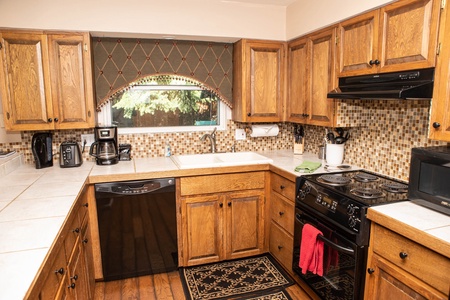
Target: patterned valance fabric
(121, 63)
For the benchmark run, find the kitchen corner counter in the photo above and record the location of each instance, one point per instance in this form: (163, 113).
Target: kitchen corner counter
(418, 223)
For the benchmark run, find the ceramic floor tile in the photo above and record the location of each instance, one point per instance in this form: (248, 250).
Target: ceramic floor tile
(29, 234)
(14, 281)
(25, 209)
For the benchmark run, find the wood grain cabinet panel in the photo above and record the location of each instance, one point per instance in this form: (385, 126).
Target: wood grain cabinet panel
(400, 36)
(258, 80)
(311, 76)
(46, 80)
(439, 127)
(221, 217)
(400, 268)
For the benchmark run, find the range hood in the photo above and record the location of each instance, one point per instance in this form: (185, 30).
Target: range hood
(415, 84)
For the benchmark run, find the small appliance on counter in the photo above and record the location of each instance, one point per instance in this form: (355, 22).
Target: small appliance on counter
(105, 149)
(124, 152)
(41, 146)
(70, 155)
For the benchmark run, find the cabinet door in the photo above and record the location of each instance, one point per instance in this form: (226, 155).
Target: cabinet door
(298, 80)
(322, 78)
(387, 281)
(245, 223)
(440, 106)
(78, 280)
(24, 80)
(202, 229)
(409, 30)
(259, 76)
(358, 44)
(72, 90)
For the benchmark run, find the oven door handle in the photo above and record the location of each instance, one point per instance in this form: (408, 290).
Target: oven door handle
(337, 247)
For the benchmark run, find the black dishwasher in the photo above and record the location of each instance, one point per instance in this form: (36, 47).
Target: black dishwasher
(137, 227)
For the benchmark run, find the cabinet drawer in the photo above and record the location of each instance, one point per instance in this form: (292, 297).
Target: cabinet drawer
(281, 245)
(282, 212)
(208, 184)
(55, 278)
(283, 186)
(425, 264)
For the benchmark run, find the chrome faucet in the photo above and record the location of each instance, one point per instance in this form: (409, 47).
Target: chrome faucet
(212, 138)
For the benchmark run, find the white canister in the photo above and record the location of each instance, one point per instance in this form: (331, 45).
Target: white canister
(334, 154)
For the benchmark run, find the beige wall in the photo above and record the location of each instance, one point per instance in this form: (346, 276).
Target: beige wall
(193, 19)
(305, 16)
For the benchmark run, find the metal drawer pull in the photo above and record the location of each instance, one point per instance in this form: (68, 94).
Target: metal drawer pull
(282, 187)
(280, 247)
(335, 246)
(281, 213)
(60, 271)
(403, 255)
(370, 270)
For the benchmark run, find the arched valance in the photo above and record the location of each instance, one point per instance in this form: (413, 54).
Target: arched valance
(162, 79)
(121, 63)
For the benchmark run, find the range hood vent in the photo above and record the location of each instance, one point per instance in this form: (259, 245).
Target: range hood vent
(415, 84)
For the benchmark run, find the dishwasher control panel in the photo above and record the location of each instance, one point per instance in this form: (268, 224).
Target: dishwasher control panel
(133, 187)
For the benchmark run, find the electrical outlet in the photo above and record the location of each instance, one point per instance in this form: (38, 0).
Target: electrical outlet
(89, 138)
(240, 134)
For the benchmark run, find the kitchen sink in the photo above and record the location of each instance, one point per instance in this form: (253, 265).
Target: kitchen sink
(208, 160)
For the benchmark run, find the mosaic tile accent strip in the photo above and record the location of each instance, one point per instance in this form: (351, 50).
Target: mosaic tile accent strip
(382, 136)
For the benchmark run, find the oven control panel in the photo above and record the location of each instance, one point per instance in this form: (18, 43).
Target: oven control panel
(342, 210)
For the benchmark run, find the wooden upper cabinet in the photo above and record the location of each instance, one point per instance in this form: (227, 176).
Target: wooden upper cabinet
(358, 44)
(71, 77)
(258, 81)
(25, 83)
(311, 76)
(440, 105)
(46, 81)
(396, 37)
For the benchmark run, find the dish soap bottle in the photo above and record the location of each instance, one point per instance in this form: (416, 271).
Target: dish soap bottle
(167, 151)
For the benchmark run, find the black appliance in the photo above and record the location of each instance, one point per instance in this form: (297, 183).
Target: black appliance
(416, 84)
(70, 155)
(41, 146)
(105, 149)
(336, 204)
(429, 178)
(124, 152)
(137, 227)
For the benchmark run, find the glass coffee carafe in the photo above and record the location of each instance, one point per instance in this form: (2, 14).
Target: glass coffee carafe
(105, 148)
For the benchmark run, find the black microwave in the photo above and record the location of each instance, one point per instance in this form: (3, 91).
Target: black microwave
(429, 178)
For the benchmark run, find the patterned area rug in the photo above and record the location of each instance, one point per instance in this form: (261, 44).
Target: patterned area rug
(249, 278)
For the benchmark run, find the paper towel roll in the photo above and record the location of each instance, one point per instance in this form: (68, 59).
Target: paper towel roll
(263, 130)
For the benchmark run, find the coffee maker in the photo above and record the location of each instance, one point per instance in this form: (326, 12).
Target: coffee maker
(105, 149)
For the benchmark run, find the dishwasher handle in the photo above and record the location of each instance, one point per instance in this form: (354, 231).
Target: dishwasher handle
(133, 187)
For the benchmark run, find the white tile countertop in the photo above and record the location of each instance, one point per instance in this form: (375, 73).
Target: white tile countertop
(35, 203)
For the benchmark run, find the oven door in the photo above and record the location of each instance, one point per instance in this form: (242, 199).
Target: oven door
(344, 262)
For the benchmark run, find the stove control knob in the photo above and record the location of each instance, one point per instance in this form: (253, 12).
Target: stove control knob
(319, 199)
(351, 222)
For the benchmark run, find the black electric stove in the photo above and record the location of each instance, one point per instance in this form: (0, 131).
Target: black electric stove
(343, 197)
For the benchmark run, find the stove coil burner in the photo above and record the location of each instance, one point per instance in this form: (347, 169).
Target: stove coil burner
(336, 180)
(364, 177)
(367, 193)
(395, 187)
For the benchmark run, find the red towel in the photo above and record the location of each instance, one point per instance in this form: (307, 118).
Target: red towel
(311, 251)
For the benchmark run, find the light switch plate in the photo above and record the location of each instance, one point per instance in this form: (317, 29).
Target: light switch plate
(240, 134)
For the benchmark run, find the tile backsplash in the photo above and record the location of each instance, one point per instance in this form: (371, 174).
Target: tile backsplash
(382, 135)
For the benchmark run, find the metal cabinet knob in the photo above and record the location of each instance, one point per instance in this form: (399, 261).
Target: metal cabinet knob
(280, 247)
(60, 271)
(76, 230)
(370, 270)
(281, 213)
(403, 255)
(436, 125)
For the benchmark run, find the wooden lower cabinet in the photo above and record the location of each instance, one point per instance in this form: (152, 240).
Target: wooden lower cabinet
(221, 221)
(399, 268)
(67, 272)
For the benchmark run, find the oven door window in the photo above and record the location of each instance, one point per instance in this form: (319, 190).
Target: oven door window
(342, 261)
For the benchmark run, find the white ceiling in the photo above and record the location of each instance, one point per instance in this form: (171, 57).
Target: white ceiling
(263, 2)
